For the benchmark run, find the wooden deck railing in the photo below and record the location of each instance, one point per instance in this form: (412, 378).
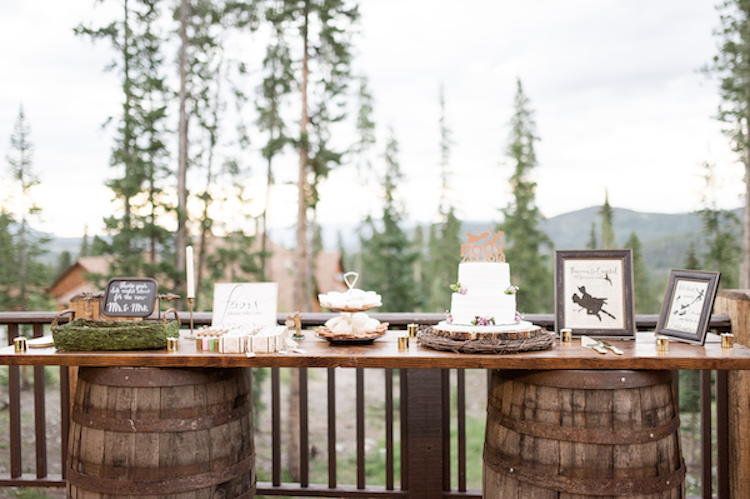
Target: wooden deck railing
(432, 467)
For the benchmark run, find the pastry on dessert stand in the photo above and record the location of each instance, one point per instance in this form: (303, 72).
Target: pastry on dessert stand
(352, 325)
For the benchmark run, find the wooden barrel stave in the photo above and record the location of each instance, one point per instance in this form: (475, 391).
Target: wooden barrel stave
(567, 442)
(181, 434)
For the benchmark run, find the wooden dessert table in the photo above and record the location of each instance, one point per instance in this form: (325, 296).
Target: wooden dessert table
(424, 378)
(384, 353)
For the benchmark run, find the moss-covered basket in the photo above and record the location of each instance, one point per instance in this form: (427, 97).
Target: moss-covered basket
(88, 335)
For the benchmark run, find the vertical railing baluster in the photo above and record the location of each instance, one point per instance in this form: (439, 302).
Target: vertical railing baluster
(332, 471)
(389, 429)
(64, 416)
(304, 427)
(276, 426)
(40, 419)
(360, 420)
(445, 379)
(722, 435)
(461, 427)
(403, 409)
(706, 479)
(14, 411)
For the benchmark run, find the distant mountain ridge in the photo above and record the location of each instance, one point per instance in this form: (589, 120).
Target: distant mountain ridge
(665, 238)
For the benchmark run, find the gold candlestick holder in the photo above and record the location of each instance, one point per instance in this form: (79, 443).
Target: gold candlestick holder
(190, 306)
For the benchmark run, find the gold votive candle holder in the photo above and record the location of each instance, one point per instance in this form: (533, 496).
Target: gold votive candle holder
(727, 340)
(19, 343)
(662, 344)
(403, 342)
(412, 328)
(566, 335)
(172, 344)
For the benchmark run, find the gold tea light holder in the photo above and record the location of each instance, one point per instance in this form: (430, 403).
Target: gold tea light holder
(403, 343)
(172, 344)
(566, 336)
(413, 329)
(662, 344)
(19, 344)
(727, 341)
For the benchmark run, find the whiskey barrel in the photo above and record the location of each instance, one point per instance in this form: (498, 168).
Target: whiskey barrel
(564, 434)
(154, 433)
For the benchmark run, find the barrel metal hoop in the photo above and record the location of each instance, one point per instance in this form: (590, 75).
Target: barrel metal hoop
(163, 486)
(584, 435)
(585, 486)
(149, 377)
(90, 420)
(588, 379)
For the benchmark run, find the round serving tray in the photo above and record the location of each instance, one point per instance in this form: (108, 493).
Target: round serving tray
(349, 339)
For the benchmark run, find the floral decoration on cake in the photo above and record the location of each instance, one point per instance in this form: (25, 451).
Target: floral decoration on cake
(448, 318)
(483, 321)
(457, 288)
(511, 290)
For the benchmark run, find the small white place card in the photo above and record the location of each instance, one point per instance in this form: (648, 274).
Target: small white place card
(250, 303)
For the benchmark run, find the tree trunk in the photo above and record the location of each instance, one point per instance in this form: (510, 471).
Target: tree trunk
(181, 235)
(301, 249)
(300, 254)
(745, 266)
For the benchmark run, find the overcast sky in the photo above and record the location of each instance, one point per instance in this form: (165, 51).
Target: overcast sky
(618, 99)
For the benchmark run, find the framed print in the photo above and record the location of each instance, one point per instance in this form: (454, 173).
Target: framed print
(594, 293)
(688, 301)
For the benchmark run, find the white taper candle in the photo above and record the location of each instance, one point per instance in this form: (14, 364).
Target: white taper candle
(190, 267)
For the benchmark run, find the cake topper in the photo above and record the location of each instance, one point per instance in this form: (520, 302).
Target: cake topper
(483, 247)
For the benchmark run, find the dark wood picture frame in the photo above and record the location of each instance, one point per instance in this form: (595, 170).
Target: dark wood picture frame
(594, 293)
(688, 302)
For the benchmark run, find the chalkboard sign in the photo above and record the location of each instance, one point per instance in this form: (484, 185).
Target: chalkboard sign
(130, 297)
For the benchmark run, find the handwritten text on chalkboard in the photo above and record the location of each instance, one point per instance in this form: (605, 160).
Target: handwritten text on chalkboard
(130, 297)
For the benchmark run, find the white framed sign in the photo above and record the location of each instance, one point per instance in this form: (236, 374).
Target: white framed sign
(248, 303)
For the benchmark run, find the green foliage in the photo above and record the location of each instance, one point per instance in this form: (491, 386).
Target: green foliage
(608, 231)
(387, 256)
(140, 153)
(691, 259)
(525, 242)
(690, 391)
(719, 228)
(591, 244)
(24, 278)
(732, 65)
(444, 256)
(645, 298)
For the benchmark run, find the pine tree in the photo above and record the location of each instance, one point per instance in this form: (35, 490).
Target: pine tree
(732, 65)
(139, 148)
(387, 256)
(85, 249)
(525, 241)
(277, 84)
(31, 274)
(445, 255)
(608, 231)
(645, 301)
(691, 259)
(719, 228)
(591, 244)
(8, 273)
(325, 26)
(64, 261)
(444, 246)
